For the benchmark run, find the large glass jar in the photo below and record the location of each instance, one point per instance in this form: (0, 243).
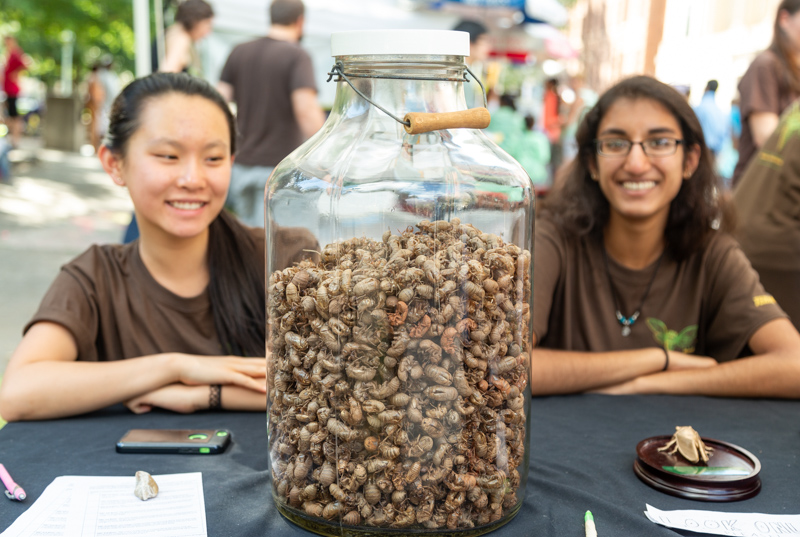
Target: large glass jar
(399, 351)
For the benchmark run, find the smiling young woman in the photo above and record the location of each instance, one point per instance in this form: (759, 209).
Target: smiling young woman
(175, 319)
(636, 290)
(642, 163)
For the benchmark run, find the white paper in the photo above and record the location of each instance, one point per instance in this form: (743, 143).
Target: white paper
(735, 524)
(105, 506)
(48, 516)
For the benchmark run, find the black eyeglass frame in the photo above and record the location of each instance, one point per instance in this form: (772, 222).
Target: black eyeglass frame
(631, 143)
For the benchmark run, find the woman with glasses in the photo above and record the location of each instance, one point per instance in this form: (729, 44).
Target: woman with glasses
(636, 289)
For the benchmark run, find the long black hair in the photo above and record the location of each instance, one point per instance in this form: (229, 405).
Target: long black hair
(579, 205)
(236, 286)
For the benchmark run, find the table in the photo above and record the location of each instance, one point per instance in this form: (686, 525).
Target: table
(583, 448)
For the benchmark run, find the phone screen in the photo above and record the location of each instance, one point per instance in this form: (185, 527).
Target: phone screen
(182, 441)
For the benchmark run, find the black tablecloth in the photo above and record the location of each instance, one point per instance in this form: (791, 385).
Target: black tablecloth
(582, 453)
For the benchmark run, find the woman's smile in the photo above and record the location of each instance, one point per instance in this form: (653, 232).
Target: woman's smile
(636, 170)
(177, 166)
(638, 186)
(187, 205)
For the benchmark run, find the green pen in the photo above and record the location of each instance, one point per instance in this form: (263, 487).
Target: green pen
(588, 521)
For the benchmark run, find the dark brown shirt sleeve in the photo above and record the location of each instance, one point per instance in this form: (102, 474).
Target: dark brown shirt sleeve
(736, 303)
(547, 262)
(71, 302)
(760, 87)
(302, 75)
(228, 74)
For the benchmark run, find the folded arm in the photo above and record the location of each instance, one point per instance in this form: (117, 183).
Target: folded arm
(561, 372)
(773, 370)
(187, 399)
(44, 380)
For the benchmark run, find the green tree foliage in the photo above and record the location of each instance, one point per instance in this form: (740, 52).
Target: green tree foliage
(99, 28)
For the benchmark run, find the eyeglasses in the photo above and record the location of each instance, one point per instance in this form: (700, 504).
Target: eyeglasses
(653, 147)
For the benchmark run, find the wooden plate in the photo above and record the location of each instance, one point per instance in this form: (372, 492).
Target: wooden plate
(731, 473)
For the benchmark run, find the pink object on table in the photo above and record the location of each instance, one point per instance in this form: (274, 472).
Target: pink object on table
(13, 491)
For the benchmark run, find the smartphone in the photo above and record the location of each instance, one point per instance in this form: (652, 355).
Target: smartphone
(183, 441)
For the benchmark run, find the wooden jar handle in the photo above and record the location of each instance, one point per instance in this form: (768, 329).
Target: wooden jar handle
(420, 122)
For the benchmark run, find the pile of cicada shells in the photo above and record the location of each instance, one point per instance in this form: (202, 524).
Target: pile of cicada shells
(397, 379)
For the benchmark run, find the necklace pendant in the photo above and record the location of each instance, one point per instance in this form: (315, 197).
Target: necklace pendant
(626, 331)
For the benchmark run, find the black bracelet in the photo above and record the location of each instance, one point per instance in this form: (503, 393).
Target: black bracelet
(214, 397)
(666, 362)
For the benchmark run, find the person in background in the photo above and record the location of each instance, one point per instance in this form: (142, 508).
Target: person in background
(176, 319)
(103, 87)
(95, 95)
(480, 45)
(767, 202)
(507, 125)
(736, 122)
(193, 22)
(716, 127)
(14, 63)
(271, 79)
(492, 100)
(585, 98)
(770, 84)
(110, 82)
(729, 156)
(636, 290)
(533, 153)
(5, 162)
(552, 122)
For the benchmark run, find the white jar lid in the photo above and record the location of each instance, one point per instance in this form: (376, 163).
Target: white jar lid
(396, 42)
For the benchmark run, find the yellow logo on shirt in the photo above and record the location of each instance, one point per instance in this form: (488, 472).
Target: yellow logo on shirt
(770, 158)
(763, 300)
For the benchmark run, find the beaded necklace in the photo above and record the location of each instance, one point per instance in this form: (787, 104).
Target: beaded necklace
(627, 322)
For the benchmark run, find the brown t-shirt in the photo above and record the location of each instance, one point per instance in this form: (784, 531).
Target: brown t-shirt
(264, 73)
(764, 88)
(767, 199)
(709, 305)
(116, 310)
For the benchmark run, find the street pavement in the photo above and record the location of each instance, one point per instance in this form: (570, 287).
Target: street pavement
(55, 205)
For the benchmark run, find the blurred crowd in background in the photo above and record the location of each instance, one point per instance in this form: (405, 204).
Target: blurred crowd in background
(543, 63)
